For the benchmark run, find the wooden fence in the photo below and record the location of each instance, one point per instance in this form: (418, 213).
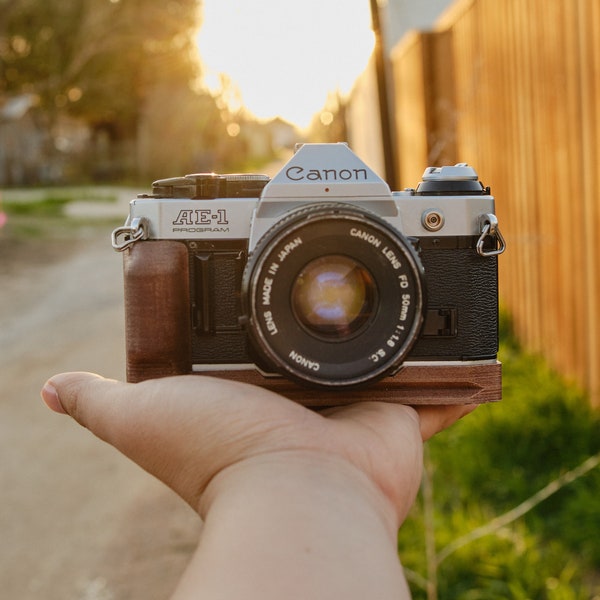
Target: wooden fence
(513, 88)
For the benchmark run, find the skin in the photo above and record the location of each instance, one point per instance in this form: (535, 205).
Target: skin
(295, 503)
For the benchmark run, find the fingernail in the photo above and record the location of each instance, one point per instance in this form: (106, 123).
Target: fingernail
(50, 397)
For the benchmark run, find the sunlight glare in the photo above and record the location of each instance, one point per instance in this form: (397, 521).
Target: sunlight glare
(282, 57)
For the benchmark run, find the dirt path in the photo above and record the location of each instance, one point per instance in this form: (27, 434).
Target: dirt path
(78, 521)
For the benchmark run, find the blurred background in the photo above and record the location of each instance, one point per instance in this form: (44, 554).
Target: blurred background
(98, 98)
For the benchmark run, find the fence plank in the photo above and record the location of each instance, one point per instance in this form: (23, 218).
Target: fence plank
(513, 88)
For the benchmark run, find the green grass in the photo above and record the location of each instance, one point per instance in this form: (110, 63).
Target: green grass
(46, 207)
(496, 459)
(39, 213)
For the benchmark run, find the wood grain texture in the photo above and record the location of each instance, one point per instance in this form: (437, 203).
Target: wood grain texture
(414, 384)
(157, 312)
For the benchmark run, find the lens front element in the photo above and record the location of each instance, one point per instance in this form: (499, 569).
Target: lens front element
(333, 297)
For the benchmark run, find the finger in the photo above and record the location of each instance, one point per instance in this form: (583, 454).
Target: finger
(115, 412)
(88, 398)
(434, 419)
(132, 416)
(158, 425)
(183, 430)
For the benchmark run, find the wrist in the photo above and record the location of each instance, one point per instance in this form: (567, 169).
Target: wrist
(295, 524)
(304, 477)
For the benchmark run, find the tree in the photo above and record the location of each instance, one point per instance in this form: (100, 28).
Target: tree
(96, 58)
(112, 64)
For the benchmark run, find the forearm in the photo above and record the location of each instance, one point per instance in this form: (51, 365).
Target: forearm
(291, 526)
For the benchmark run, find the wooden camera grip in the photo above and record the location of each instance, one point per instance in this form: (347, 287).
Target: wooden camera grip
(157, 312)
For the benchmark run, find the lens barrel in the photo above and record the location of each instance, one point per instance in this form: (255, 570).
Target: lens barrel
(333, 296)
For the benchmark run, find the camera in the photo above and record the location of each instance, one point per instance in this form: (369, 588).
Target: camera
(321, 283)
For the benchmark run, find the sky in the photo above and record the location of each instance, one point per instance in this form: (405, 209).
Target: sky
(283, 56)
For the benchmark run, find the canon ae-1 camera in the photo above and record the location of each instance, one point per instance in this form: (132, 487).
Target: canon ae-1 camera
(320, 283)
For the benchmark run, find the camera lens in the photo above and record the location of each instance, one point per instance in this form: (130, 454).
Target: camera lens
(332, 296)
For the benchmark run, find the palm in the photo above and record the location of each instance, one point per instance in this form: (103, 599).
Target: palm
(185, 430)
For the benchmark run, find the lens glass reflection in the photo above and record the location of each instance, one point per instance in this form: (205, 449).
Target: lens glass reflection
(333, 296)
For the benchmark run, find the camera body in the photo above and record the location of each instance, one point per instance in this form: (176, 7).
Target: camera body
(320, 283)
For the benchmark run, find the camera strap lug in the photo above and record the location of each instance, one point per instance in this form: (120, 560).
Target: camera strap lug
(126, 236)
(488, 224)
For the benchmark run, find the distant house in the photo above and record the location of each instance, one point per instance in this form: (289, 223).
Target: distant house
(21, 141)
(263, 139)
(30, 150)
(284, 134)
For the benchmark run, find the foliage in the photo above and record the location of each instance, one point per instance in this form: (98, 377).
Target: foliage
(496, 459)
(116, 87)
(96, 59)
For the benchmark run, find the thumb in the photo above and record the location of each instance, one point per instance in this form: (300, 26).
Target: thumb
(93, 401)
(133, 420)
(183, 430)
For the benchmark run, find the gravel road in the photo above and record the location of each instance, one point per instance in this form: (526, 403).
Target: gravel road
(78, 521)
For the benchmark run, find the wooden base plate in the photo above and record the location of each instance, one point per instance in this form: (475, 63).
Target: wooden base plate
(431, 383)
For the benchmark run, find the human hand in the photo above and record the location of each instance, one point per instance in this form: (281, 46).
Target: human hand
(187, 430)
